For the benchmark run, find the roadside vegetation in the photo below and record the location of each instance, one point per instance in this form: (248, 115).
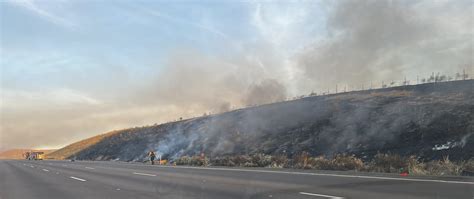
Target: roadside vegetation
(382, 163)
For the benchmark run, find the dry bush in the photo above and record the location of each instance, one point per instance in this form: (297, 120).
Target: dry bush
(346, 162)
(301, 160)
(242, 160)
(192, 161)
(388, 163)
(261, 160)
(223, 161)
(443, 167)
(279, 161)
(339, 162)
(468, 165)
(416, 167)
(255, 160)
(320, 162)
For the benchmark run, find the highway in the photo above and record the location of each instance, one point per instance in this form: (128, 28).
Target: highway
(21, 179)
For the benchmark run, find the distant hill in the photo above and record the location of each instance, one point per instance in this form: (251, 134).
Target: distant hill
(429, 121)
(77, 147)
(18, 153)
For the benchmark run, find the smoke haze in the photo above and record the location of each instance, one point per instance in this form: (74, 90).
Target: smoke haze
(187, 67)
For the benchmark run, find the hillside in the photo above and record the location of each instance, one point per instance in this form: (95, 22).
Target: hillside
(427, 120)
(18, 153)
(77, 147)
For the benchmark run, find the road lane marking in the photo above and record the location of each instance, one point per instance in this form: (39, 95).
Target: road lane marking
(323, 174)
(32, 166)
(46, 170)
(89, 168)
(321, 195)
(64, 165)
(144, 174)
(75, 178)
(316, 174)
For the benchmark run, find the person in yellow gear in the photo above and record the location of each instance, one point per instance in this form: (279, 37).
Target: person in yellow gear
(152, 156)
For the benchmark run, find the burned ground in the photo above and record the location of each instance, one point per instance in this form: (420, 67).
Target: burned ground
(428, 120)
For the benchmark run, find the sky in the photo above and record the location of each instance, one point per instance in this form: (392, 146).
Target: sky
(73, 69)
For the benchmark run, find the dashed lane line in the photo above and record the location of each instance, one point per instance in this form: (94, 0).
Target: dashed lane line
(76, 178)
(321, 195)
(144, 174)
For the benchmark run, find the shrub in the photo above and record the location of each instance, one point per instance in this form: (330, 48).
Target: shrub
(279, 161)
(300, 161)
(223, 161)
(388, 163)
(261, 160)
(346, 162)
(192, 161)
(468, 166)
(320, 162)
(443, 167)
(416, 167)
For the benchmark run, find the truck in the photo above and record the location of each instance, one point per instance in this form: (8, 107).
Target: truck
(34, 155)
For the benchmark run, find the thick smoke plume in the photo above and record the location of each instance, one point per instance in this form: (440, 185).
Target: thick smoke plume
(371, 41)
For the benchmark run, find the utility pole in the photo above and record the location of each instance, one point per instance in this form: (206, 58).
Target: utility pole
(463, 74)
(336, 88)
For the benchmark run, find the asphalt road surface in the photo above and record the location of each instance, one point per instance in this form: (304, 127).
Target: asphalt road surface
(87, 179)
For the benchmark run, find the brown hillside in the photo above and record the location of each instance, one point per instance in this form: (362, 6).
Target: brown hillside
(76, 147)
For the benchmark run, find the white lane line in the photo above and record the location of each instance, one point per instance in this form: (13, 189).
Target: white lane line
(323, 174)
(89, 168)
(46, 170)
(75, 178)
(143, 174)
(32, 166)
(64, 165)
(321, 195)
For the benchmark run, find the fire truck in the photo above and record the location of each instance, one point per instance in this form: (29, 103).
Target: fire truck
(34, 155)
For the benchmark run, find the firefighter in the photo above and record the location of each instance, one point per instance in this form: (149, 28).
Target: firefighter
(152, 156)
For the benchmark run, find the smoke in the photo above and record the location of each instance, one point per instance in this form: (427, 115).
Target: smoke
(199, 84)
(288, 53)
(371, 41)
(267, 91)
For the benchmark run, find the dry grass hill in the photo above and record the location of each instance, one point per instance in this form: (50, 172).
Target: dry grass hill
(429, 121)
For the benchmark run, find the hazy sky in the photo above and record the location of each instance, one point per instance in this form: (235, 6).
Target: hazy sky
(74, 69)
